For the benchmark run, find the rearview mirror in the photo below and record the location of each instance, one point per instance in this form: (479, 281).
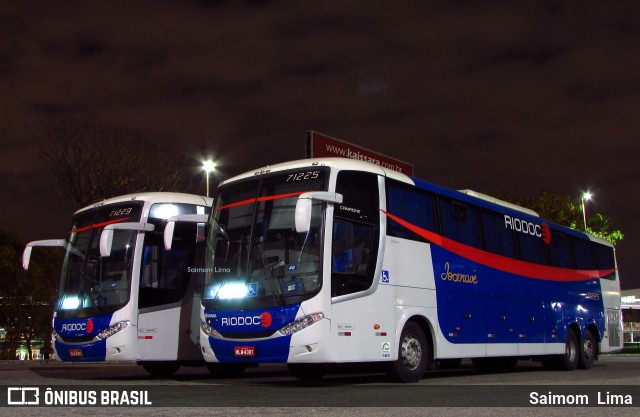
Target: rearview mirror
(304, 205)
(106, 238)
(183, 218)
(52, 243)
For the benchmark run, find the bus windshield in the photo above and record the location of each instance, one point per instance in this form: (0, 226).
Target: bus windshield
(91, 284)
(258, 259)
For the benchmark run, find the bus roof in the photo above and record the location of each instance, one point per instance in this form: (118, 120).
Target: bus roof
(154, 197)
(337, 163)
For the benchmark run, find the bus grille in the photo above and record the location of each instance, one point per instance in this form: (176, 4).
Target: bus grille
(246, 335)
(82, 339)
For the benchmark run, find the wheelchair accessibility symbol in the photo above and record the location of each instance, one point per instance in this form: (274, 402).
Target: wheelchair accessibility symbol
(385, 277)
(252, 289)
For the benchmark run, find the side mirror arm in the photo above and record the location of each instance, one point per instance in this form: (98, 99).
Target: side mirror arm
(106, 237)
(183, 218)
(303, 207)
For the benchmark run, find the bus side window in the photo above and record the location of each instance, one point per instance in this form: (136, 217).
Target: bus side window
(355, 233)
(561, 251)
(414, 206)
(163, 274)
(496, 237)
(459, 222)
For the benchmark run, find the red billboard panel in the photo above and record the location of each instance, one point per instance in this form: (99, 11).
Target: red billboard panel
(323, 146)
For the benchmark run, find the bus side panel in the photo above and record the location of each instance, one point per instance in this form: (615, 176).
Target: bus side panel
(512, 314)
(612, 333)
(158, 334)
(363, 329)
(406, 281)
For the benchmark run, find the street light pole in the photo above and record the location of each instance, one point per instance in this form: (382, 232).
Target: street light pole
(585, 197)
(208, 167)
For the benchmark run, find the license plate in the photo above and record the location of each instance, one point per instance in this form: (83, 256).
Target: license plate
(244, 351)
(76, 353)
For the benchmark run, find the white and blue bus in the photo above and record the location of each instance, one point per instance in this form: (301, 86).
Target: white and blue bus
(122, 296)
(326, 261)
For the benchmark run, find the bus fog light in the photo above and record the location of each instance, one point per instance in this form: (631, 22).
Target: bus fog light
(113, 329)
(208, 330)
(300, 324)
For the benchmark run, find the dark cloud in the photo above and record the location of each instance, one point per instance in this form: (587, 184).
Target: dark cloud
(497, 96)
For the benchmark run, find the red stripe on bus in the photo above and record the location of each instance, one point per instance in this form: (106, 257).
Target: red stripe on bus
(504, 263)
(260, 199)
(96, 225)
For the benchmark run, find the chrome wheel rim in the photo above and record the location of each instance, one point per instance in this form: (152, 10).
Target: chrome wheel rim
(411, 352)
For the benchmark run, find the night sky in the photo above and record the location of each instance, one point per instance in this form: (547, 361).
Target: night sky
(498, 96)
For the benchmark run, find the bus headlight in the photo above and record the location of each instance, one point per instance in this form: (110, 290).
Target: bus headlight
(300, 324)
(208, 330)
(113, 329)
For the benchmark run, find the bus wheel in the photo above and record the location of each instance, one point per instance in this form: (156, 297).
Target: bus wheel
(306, 372)
(413, 355)
(161, 369)
(569, 360)
(226, 370)
(588, 351)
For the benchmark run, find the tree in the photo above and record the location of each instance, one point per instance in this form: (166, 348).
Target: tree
(561, 209)
(26, 297)
(92, 162)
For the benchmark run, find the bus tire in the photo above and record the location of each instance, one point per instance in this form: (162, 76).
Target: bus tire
(306, 371)
(161, 369)
(588, 351)
(413, 355)
(568, 361)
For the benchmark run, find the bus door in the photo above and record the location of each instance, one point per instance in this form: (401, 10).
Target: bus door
(355, 246)
(164, 321)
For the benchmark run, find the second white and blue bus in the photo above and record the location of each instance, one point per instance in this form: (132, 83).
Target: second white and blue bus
(122, 296)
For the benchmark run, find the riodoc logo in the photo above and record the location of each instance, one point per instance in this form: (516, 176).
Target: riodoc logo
(528, 228)
(264, 319)
(87, 326)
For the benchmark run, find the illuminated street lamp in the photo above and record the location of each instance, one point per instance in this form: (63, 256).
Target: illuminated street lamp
(208, 167)
(585, 197)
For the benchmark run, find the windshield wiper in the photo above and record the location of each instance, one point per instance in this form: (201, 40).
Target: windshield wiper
(277, 295)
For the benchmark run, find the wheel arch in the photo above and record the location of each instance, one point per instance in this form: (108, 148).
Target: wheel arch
(429, 333)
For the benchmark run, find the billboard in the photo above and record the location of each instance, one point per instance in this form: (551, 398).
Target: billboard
(323, 146)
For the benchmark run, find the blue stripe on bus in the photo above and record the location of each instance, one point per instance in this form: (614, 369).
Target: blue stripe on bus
(268, 350)
(91, 352)
(251, 324)
(81, 328)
